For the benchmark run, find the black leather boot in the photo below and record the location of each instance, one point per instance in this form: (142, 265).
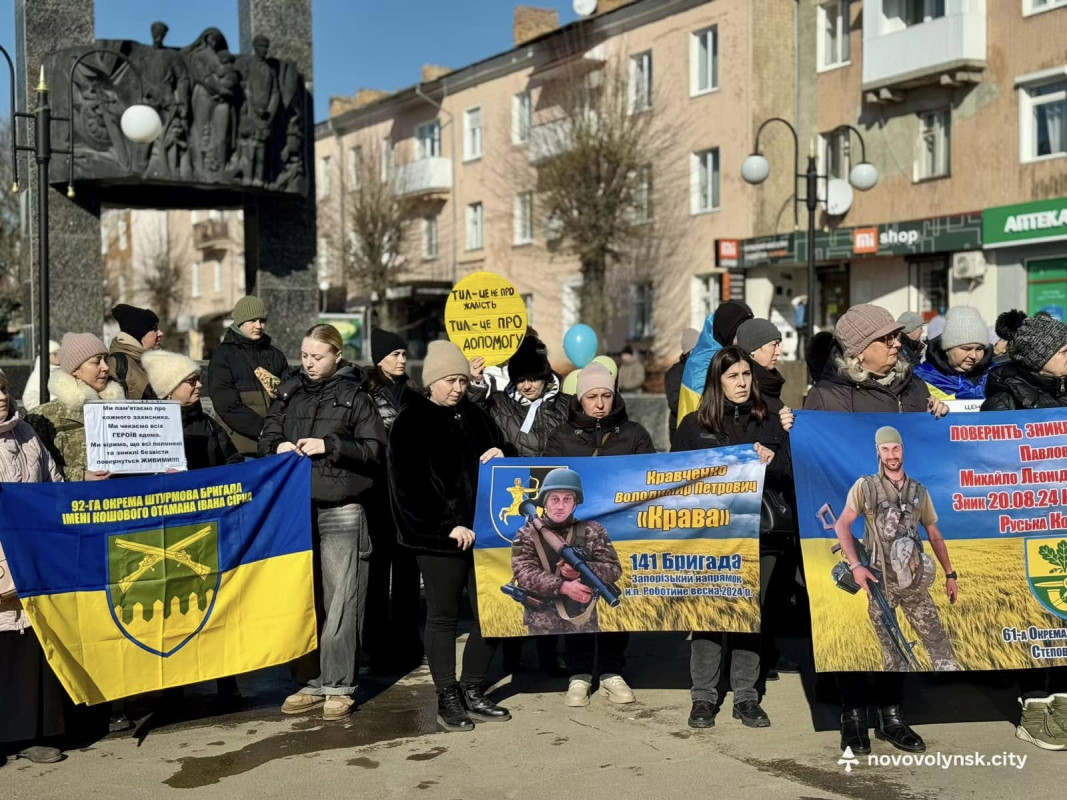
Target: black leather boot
(451, 713)
(854, 731)
(481, 707)
(891, 728)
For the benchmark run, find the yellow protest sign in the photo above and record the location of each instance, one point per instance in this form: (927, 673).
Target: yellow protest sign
(485, 317)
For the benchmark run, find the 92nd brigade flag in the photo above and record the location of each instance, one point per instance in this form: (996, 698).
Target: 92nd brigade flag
(146, 583)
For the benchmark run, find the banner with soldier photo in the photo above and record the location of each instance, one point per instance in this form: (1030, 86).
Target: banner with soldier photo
(665, 542)
(934, 545)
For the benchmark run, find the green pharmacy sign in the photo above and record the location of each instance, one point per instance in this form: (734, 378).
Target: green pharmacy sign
(1025, 223)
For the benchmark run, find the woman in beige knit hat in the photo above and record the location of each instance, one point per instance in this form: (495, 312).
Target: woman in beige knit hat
(436, 447)
(82, 376)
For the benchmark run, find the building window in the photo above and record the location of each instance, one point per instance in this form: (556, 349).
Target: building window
(834, 156)
(570, 304)
(527, 299)
(325, 176)
(704, 180)
(215, 215)
(703, 299)
(643, 195)
(521, 118)
(472, 134)
(641, 81)
(429, 237)
(428, 137)
(196, 279)
(1043, 119)
(385, 160)
(834, 26)
(218, 276)
(355, 167)
(475, 226)
(642, 325)
(704, 61)
(933, 286)
(1037, 6)
(932, 159)
(900, 14)
(524, 218)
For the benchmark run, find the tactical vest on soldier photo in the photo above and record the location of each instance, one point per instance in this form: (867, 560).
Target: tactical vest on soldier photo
(569, 610)
(894, 545)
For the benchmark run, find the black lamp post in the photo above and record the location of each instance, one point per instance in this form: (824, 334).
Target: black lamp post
(863, 176)
(137, 125)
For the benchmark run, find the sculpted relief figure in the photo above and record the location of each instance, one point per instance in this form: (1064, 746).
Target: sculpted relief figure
(215, 82)
(262, 99)
(167, 89)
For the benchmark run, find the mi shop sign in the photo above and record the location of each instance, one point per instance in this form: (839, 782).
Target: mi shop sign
(868, 241)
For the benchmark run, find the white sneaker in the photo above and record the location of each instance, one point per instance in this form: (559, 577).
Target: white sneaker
(617, 689)
(578, 691)
(337, 707)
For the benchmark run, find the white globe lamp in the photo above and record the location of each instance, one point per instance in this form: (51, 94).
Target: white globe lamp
(863, 176)
(141, 124)
(755, 169)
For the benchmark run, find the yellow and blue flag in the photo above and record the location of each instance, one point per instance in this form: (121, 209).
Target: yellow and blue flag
(696, 370)
(146, 583)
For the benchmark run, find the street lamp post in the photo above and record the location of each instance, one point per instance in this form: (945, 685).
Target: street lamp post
(863, 176)
(140, 123)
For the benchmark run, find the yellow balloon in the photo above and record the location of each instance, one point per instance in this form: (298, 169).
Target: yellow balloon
(570, 383)
(609, 362)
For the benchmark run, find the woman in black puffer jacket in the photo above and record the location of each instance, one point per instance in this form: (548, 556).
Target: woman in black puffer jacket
(436, 448)
(1036, 374)
(733, 412)
(322, 414)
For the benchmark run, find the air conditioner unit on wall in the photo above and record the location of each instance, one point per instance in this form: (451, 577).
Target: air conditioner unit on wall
(969, 266)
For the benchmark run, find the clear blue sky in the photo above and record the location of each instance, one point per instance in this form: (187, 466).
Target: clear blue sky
(379, 44)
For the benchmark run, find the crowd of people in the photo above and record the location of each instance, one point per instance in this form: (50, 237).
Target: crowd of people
(394, 484)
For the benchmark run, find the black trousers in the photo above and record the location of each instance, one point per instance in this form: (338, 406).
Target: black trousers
(1034, 683)
(863, 689)
(392, 634)
(444, 577)
(606, 650)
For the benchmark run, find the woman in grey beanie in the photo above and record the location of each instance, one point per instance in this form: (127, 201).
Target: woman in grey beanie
(958, 361)
(1036, 375)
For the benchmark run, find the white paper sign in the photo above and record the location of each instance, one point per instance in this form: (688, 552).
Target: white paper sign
(963, 406)
(133, 437)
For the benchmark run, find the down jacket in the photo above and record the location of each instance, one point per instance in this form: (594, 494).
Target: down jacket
(509, 409)
(338, 412)
(614, 435)
(837, 392)
(434, 454)
(1012, 386)
(206, 443)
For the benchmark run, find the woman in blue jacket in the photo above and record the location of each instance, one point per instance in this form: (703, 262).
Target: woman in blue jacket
(958, 361)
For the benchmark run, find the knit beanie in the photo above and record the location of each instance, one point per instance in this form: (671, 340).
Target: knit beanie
(963, 325)
(530, 361)
(910, 320)
(443, 359)
(689, 339)
(594, 376)
(77, 348)
(135, 321)
(861, 325)
(1036, 340)
(247, 308)
(166, 371)
(382, 343)
(754, 333)
(727, 319)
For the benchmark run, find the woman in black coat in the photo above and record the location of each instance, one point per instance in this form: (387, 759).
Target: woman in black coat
(597, 425)
(323, 414)
(435, 450)
(733, 412)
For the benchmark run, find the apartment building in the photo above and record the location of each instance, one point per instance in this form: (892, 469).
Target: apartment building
(465, 147)
(962, 105)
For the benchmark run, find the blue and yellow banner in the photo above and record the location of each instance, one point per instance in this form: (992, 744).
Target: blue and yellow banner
(146, 583)
(979, 496)
(665, 542)
(696, 369)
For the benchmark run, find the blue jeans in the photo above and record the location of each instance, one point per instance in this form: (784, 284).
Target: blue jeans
(342, 549)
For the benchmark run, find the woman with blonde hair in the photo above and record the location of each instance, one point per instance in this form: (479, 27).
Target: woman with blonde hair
(322, 414)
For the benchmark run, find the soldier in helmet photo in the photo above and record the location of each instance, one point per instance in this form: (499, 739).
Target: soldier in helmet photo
(893, 506)
(563, 601)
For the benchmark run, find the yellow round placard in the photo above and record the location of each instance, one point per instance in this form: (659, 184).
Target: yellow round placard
(486, 317)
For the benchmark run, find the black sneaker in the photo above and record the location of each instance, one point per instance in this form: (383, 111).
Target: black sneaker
(481, 707)
(702, 714)
(751, 714)
(451, 713)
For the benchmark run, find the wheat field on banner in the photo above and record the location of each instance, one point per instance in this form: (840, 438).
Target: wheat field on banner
(502, 616)
(993, 594)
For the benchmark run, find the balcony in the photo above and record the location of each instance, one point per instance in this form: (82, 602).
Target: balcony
(900, 54)
(550, 139)
(426, 176)
(211, 234)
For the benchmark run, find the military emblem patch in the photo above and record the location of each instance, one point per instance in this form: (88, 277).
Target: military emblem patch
(1046, 572)
(511, 487)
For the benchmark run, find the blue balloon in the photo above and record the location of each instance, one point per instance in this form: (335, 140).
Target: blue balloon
(580, 343)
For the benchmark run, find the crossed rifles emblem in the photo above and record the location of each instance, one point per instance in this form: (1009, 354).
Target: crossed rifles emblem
(154, 555)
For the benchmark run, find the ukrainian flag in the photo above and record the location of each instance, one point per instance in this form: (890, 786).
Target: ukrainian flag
(142, 584)
(696, 370)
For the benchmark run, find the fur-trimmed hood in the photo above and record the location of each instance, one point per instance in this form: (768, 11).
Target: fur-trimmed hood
(74, 394)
